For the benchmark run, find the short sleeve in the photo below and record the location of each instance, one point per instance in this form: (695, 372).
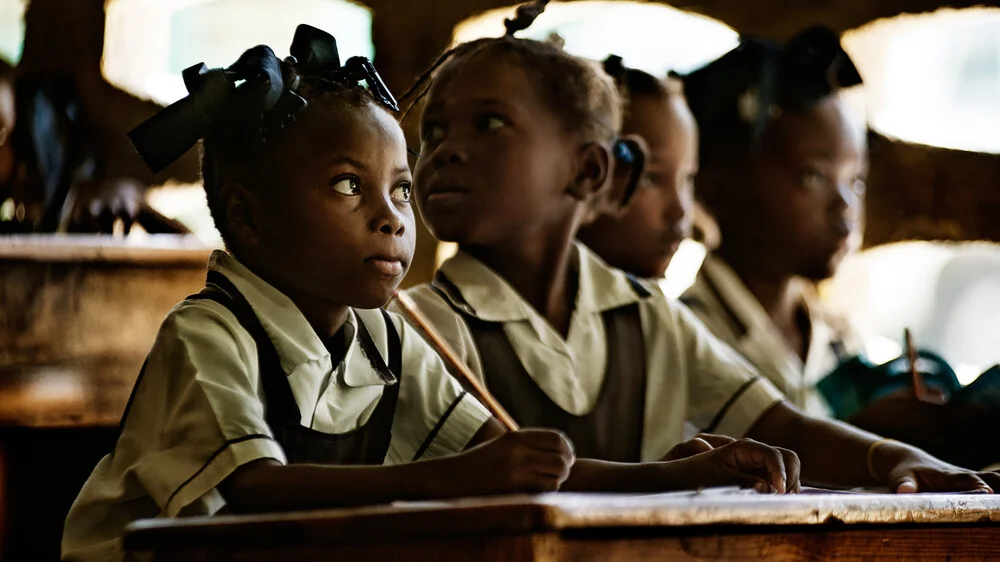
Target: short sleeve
(197, 413)
(726, 395)
(435, 416)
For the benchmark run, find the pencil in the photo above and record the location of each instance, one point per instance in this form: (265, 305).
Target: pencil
(492, 404)
(911, 355)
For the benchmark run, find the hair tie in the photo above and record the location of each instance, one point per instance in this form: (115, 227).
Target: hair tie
(524, 16)
(614, 67)
(266, 95)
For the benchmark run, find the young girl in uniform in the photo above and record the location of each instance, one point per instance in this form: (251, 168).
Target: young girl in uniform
(516, 141)
(260, 390)
(784, 173)
(642, 239)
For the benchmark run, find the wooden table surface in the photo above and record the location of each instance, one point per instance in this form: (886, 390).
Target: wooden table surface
(597, 527)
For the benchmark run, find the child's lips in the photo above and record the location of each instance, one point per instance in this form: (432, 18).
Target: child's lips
(445, 193)
(388, 266)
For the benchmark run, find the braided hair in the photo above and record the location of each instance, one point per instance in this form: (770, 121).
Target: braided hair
(576, 90)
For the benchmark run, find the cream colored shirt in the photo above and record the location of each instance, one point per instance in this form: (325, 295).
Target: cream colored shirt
(197, 413)
(721, 300)
(690, 374)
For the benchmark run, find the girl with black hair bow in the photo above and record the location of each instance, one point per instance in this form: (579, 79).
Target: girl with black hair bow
(282, 385)
(783, 171)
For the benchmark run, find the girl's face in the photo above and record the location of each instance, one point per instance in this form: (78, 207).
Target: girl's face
(336, 222)
(495, 163)
(808, 187)
(644, 239)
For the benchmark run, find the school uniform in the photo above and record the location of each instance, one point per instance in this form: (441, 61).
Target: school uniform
(720, 299)
(237, 374)
(632, 369)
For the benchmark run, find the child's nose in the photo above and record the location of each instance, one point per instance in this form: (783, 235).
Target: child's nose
(449, 152)
(388, 220)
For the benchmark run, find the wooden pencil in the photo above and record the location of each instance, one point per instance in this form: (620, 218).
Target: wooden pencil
(911, 355)
(409, 309)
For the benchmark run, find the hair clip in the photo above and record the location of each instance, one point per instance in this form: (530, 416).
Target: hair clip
(360, 68)
(628, 152)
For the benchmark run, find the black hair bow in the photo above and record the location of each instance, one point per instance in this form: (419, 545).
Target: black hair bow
(745, 84)
(258, 87)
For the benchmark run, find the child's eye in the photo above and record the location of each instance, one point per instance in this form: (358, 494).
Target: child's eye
(859, 186)
(345, 185)
(651, 180)
(489, 122)
(433, 132)
(402, 192)
(813, 180)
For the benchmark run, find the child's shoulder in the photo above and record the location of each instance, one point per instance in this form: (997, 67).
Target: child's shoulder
(201, 319)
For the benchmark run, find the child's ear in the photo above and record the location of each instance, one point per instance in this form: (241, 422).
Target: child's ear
(593, 172)
(240, 209)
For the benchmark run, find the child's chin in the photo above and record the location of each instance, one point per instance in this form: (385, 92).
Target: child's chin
(376, 298)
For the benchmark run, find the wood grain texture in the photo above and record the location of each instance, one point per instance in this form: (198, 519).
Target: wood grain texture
(78, 315)
(595, 527)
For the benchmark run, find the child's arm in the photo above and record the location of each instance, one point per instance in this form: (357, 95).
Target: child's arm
(744, 463)
(834, 453)
(529, 461)
(738, 402)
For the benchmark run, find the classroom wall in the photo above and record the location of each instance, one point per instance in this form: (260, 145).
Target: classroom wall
(914, 191)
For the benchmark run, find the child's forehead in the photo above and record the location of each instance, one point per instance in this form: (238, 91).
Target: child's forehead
(325, 130)
(824, 130)
(486, 71)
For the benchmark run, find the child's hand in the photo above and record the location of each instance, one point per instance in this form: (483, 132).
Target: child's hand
(526, 461)
(737, 462)
(99, 205)
(906, 470)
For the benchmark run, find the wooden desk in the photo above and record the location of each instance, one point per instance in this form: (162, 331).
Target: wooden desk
(604, 528)
(78, 313)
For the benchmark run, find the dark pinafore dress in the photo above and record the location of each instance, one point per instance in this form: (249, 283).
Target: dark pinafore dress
(365, 445)
(613, 430)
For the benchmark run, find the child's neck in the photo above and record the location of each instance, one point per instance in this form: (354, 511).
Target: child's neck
(774, 291)
(540, 272)
(325, 317)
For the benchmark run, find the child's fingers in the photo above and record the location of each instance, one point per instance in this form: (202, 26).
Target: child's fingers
(923, 479)
(904, 484)
(992, 480)
(545, 440)
(547, 465)
(752, 455)
(793, 469)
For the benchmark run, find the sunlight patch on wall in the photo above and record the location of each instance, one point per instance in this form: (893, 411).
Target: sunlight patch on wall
(149, 42)
(933, 78)
(652, 37)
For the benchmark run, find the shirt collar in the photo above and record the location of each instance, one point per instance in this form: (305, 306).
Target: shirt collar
(291, 334)
(483, 293)
(745, 306)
